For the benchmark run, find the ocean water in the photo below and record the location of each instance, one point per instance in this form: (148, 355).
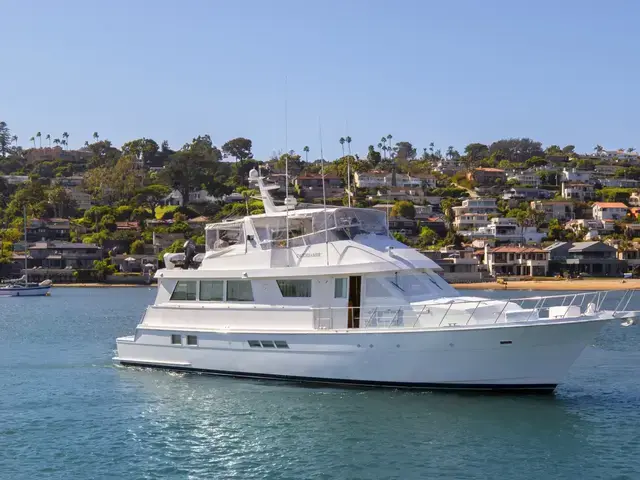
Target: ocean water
(66, 412)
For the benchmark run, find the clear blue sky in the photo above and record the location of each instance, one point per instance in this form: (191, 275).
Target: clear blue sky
(448, 72)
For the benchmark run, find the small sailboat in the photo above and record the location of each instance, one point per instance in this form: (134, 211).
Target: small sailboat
(21, 286)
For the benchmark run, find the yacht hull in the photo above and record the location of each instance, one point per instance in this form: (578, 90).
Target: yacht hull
(534, 357)
(25, 292)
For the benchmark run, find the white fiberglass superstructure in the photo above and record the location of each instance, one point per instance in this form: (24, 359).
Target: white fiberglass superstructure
(325, 295)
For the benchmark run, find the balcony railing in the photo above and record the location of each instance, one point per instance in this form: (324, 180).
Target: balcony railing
(465, 313)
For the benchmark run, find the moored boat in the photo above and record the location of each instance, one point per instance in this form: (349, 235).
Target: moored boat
(325, 295)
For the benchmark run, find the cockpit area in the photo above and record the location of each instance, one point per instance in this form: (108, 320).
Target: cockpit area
(296, 228)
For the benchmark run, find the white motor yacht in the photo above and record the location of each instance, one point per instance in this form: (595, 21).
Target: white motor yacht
(325, 295)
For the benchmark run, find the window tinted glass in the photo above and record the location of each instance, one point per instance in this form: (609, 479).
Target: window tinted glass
(211, 290)
(295, 288)
(185, 290)
(239, 291)
(340, 289)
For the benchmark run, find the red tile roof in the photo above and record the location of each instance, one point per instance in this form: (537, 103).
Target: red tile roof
(610, 204)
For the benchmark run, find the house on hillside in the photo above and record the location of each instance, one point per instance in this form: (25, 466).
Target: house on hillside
(403, 225)
(48, 229)
(609, 211)
(578, 176)
(515, 260)
(525, 177)
(311, 186)
(558, 209)
(63, 255)
(487, 176)
(578, 191)
(592, 258)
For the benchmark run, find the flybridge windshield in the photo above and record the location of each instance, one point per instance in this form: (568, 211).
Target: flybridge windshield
(315, 227)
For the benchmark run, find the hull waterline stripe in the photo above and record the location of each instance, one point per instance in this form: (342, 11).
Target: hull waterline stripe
(496, 387)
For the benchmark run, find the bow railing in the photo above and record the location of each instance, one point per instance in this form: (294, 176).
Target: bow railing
(461, 312)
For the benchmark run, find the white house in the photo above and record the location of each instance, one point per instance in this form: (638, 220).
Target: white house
(525, 177)
(15, 179)
(471, 221)
(477, 205)
(619, 182)
(578, 191)
(609, 211)
(574, 175)
(558, 209)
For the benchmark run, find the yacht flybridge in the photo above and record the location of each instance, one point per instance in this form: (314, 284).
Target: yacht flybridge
(325, 295)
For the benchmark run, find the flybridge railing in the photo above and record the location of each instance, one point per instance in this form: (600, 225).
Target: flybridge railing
(456, 312)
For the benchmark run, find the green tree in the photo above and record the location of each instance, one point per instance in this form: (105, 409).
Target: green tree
(60, 200)
(5, 139)
(197, 165)
(446, 205)
(306, 153)
(151, 196)
(102, 268)
(427, 237)
(403, 208)
(137, 247)
(406, 151)
(239, 148)
(143, 148)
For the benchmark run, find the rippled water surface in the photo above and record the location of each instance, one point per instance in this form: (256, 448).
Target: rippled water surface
(67, 413)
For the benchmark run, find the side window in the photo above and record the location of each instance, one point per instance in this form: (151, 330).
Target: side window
(340, 288)
(212, 290)
(239, 291)
(295, 288)
(185, 290)
(373, 288)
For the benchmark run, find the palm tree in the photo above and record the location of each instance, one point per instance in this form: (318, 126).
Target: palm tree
(14, 139)
(33, 139)
(598, 149)
(96, 137)
(342, 145)
(56, 141)
(631, 150)
(450, 151)
(48, 137)
(431, 145)
(65, 140)
(39, 136)
(306, 153)
(389, 137)
(86, 143)
(64, 143)
(383, 146)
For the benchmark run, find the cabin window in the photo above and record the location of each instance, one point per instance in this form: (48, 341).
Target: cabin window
(255, 344)
(373, 288)
(176, 339)
(268, 344)
(295, 288)
(239, 291)
(281, 344)
(192, 340)
(340, 288)
(212, 290)
(185, 290)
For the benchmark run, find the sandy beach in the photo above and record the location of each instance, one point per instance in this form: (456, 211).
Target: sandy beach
(568, 285)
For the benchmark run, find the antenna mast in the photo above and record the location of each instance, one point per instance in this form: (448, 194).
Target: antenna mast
(286, 160)
(324, 196)
(348, 165)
